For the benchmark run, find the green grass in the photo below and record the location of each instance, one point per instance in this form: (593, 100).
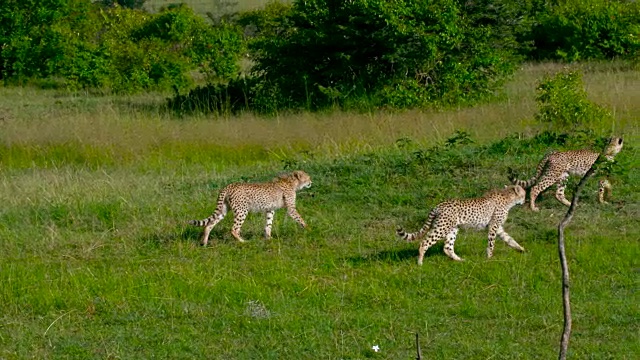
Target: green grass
(97, 261)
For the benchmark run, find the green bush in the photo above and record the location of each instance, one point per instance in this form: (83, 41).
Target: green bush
(114, 48)
(510, 20)
(376, 53)
(563, 103)
(270, 21)
(31, 42)
(575, 30)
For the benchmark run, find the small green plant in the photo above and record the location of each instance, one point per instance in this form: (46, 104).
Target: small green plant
(563, 103)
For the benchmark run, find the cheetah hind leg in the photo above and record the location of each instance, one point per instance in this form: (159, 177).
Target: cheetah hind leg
(217, 217)
(448, 245)
(540, 186)
(207, 228)
(561, 185)
(431, 239)
(238, 220)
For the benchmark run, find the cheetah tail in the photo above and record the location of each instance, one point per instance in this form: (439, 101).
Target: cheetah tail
(220, 210)
(417, 235)
(526, 184)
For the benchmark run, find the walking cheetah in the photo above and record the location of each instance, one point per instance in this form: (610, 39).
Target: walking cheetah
(489, 210)
(267, 197)
(556, 167)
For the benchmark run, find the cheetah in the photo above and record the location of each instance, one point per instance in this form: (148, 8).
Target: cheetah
(266, 197)
(490, 210)
(556, 167)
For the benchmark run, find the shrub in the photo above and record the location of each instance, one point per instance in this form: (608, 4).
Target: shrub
(115, 48)
(575, 30)
(215, 50)
(31, 42)
(563, 103)
(401, 54)
(270, 21)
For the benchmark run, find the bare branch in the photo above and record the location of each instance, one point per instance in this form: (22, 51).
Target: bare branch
(566, 332)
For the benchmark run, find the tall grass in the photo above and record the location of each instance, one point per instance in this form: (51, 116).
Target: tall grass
(97, 261)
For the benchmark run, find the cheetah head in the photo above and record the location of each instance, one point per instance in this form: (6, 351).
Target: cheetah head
(304, 180)
(613, 148)
(515, 193)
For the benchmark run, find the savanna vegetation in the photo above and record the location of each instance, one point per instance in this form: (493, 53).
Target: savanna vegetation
(108, 145)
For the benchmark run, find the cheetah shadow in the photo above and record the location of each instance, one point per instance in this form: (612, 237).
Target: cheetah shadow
(180, 233)
(193, 235)
(394, 256)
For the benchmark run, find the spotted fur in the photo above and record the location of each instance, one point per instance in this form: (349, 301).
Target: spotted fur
(556, 167)
(267, 197)
(604, 190)
(490, 210)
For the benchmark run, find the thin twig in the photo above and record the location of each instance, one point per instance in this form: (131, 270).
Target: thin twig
(418, 347)
(566, 332)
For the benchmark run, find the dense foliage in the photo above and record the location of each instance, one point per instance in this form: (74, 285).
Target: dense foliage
(576, 30)
(309, 54)
(359, 54)
(116, 48)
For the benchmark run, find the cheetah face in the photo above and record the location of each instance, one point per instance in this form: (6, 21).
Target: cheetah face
(304, 180)
(614, 147)
(516, 192)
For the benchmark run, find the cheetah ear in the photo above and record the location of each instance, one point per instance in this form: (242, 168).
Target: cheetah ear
(297, 174)
(619, 141)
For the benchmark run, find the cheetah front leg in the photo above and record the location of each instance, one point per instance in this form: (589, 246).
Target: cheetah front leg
(493, 230)
(290, 204)
(293, 213)
(561, 185)
(509, 240)
(267, 228)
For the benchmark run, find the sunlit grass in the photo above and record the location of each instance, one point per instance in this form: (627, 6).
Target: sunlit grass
(97, 261)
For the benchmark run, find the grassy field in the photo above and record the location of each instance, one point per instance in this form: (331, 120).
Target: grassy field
(97, 261)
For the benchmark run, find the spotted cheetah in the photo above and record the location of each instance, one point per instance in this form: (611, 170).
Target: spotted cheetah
(267, 197)
(489, 210)
(556, 167)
